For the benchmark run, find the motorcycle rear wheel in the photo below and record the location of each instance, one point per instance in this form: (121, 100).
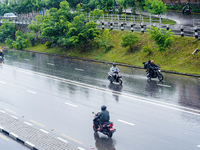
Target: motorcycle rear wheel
(110, 134)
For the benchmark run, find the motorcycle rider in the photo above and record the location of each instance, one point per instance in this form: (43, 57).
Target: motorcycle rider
(1, 52)
(152, 68)
(102, 117)
(114, 71)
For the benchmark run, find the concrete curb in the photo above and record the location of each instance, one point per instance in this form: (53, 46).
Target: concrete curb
(16, 138)
(106, 62)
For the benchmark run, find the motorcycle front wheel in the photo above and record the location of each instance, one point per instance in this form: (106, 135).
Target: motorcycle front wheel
(160, 77)
(120, 81)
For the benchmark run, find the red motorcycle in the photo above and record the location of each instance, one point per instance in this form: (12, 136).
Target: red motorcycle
(107, 127)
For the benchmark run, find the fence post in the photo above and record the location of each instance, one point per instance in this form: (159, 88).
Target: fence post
(167, 27)
(111, 26)
(142, 27)
(150, 19)
(196, 32)
(132, 28)
(182, 31)
(102, 25)
(122, 26)
(160, 19)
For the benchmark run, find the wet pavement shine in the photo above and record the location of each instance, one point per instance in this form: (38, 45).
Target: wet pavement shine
(60, 94)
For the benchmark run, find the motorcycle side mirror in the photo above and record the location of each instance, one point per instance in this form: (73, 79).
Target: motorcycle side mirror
(93, 113)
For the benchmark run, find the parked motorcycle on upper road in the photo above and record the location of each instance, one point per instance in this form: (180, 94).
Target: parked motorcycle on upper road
(107, 127)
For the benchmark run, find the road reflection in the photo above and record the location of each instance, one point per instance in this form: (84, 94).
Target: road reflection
(104, 143)
(116, 88)
(152, 87)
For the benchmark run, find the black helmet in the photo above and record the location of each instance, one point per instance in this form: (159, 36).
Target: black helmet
(103, 107)
(114, 64)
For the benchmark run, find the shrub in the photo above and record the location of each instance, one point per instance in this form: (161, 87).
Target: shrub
(9, 42)
(48, 44)
(129, 39)
(147, 49)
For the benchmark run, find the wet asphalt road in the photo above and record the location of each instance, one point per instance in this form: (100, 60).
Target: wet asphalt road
(60, 94)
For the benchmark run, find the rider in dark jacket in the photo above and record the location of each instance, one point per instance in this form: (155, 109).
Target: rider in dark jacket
(103, 116)
(152, 67)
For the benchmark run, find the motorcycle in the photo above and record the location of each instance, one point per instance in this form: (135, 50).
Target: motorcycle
(107, 127)
(117, 79)
(156, 73)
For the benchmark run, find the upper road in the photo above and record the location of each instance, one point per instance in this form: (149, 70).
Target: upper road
(59, 95)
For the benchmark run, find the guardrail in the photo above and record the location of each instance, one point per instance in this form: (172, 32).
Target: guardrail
(127, 23)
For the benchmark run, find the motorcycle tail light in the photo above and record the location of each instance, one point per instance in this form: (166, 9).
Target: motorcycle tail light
(111, 125)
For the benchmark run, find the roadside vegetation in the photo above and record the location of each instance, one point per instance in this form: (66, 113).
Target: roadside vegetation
(60, 31)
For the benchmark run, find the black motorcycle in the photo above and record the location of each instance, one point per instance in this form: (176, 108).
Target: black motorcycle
(156, 74)
(117, 78)
(107, 127)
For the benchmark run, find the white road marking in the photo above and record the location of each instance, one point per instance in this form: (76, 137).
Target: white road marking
(126, 95)
(10, 111)
(14, 117)
(29, 144)
(13, 135)
(31, 91)
(28, 123)
(80, 148)
(71, 104)
(126, 122)
(3, 82)
(50, 64)
(164, 85)
(2, 111)
(62, 140)
(44, 131)
(27, 59)
(198, 145)
(79, 69)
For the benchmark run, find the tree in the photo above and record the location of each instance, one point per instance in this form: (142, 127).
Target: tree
(163, 37)
(6, 29)
(79, 33)
(129, 39)
(156, 7)
(53, 3)
(96, 13)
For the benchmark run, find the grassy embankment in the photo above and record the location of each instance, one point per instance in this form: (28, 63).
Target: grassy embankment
(177, 58)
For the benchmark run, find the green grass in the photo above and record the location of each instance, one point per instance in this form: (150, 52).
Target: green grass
(177, 58)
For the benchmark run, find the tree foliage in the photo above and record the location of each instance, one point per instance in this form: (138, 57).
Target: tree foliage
(155, 7)
(129, 39)
(6, 29)
(163, 37)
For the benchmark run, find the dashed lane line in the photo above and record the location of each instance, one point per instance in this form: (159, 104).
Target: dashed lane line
(3, 82)
(50, 64)
(31, 91)
(164, 85)
(3, 137)
(37, 123)
(10, 111)
(71, 104)
(79, 69)
(72, 139)
(126, 122)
